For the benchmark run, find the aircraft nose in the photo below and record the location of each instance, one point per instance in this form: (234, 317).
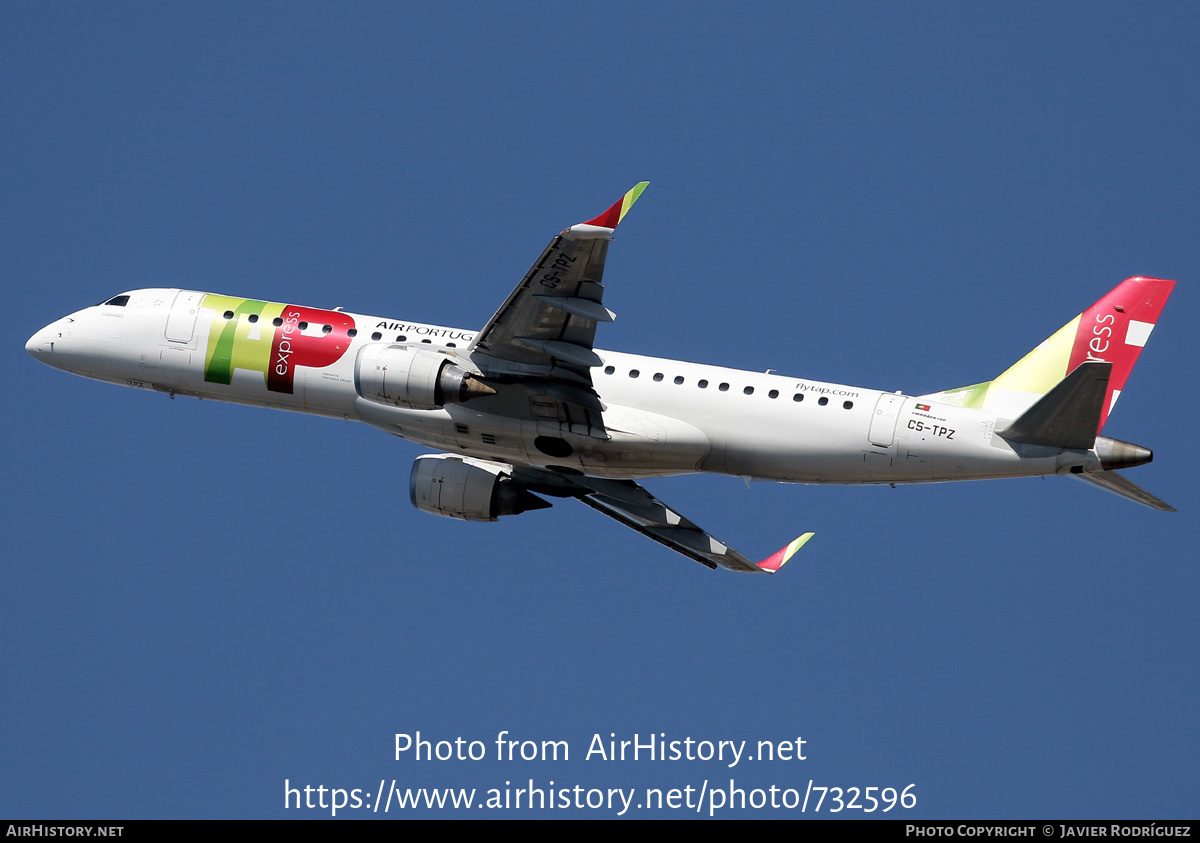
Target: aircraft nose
(35, 345)
(41, 345)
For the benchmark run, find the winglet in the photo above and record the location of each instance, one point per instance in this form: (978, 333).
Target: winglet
(772, 564)
(613, 216)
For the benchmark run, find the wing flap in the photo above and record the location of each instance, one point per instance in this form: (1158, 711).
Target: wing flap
(555, 416)
(621, 515)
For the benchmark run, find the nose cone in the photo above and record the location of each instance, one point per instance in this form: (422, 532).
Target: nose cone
(38, 345)
(51, 344)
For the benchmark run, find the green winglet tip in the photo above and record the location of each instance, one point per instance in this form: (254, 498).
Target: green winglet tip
(631, 197)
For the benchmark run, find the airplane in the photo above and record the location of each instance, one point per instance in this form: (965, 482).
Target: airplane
(527, 408)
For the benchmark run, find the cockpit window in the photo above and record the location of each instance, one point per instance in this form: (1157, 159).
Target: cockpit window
(118, 301)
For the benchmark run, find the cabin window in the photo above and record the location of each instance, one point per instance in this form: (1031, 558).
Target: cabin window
(748, 390)
(774, 393)
(376, 336)
(724, 387)
(703, 384)
(633, 373)
(228, 314)
(451, 345)
(608, 370)
(277, 321)
(658, 377)
(822, 400)
(427, 341)
(846, 405)
(402, 338)
(303, 326)
(353, 332)
(325, 329)
(678, 380)
(798, 397)
(253, 318)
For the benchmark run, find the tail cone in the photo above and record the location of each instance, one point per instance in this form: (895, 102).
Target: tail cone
(1114, 453)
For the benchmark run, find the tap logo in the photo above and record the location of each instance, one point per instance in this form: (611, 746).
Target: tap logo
(271, 338)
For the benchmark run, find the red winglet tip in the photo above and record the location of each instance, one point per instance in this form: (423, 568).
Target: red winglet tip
(609, 218)
(613, 216)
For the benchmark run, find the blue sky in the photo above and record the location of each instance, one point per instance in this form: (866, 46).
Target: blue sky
(202, 600)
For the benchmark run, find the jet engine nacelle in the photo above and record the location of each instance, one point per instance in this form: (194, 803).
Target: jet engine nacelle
(467, 488)
(416, 378)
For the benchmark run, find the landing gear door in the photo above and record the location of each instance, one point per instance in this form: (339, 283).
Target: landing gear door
(883, 422)
(181, 322)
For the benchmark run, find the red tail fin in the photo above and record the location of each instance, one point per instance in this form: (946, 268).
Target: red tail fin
(1115, 329)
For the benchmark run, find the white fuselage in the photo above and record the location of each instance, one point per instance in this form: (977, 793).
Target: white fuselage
(663, 416)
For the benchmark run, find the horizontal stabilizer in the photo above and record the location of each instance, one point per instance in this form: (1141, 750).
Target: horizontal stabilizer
(1068, 416)
(1119, 485)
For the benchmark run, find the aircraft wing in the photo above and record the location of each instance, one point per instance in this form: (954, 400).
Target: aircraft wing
(630, 504)
(547, 325)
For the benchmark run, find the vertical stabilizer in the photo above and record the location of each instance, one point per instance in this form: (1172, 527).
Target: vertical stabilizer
(1113, 330)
